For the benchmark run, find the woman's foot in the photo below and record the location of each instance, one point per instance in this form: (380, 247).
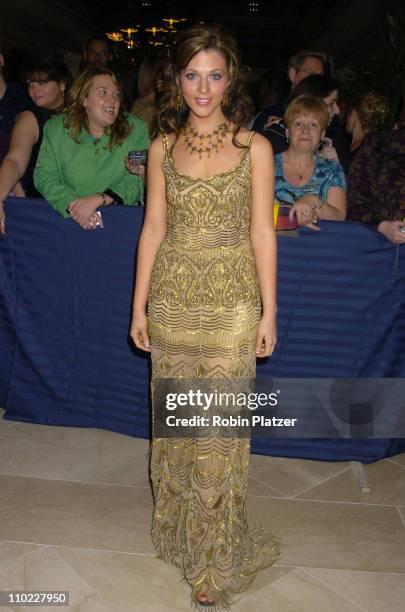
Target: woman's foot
(204, 600)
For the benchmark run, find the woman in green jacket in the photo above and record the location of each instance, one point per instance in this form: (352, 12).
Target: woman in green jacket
(81, 164)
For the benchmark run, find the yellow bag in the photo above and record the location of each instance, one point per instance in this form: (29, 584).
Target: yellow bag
(276, 207)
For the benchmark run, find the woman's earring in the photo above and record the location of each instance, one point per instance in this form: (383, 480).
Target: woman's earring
(179, 99)
(226, 100)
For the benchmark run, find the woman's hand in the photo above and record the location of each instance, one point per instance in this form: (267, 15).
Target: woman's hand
(271, 121)
(266, 336)
(139, 331)
(134, 167)
(2, 219)
(329, 151)
(83, 211)
(303, 211)
(392, 231)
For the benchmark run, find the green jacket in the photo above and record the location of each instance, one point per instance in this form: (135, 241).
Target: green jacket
(67, 170)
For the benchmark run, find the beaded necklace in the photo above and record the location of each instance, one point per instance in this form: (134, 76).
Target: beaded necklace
(206, 143)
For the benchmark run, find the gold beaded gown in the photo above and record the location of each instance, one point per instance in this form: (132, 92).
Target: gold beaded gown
(203, 312)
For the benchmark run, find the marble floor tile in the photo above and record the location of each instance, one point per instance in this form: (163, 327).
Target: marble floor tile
(118, 449)
(113, 448)
(24, 454)
(43, 569)
(258, 488)
(296, 591)
(373, 591)
(75, 438)
(132, 473)
(290, 476)
(76, 508)
(68, 453)
(400, 459)
(334, 535)
(128, 582)
(74, 514)
(12, 550)
(3, 423)
(386, 480)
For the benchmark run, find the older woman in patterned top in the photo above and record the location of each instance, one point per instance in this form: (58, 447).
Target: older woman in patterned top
(313, 185)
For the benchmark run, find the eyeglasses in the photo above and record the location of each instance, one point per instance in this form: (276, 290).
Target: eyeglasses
(37, 82)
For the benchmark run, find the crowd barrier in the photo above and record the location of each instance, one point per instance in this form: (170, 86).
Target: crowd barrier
(65, 303)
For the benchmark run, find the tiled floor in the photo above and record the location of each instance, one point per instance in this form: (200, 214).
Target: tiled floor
(76, 508)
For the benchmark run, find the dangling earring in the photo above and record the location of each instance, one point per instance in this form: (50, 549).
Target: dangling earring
(179, 99)
(226, 100)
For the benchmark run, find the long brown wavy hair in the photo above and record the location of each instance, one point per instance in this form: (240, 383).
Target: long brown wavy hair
(76, 117)
(189, 42)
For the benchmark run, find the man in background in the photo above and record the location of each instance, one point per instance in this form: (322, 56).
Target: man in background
(307, 62)
(97, 52)
(302, 64)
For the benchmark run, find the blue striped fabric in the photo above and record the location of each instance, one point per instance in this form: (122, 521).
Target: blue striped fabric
(65, 301)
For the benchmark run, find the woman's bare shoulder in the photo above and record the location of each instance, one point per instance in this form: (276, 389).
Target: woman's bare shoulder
(157, 146)
(159, 143)
(26, 128)
(260, 145)
(27, 119)
(259, 142)
(242, 136)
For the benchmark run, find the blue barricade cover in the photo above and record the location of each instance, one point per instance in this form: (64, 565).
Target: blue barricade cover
(65, 305)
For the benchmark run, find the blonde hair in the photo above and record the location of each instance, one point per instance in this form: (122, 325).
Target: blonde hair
(307, 105)
(76, 116)
(145, 105)
(148, 71)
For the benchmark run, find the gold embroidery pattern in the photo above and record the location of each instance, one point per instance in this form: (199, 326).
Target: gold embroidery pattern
(203, 312)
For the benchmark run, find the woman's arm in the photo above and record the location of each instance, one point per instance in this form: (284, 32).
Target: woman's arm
(48, 178)
(334, 209)
(328, 150)
(263, 238)
(23, 138)
(309, 208)
(153, 232)
(392, 230)
(130, 188)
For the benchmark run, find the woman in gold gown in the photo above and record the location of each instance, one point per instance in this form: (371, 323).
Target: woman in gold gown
(206, 273)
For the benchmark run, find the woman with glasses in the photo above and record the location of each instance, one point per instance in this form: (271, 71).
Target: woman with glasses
(47, 79)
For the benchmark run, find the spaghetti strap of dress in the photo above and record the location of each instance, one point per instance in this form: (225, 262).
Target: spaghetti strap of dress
(249, 141)
(165, 143)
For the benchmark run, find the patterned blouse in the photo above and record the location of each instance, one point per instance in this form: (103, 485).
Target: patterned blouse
(376, 180)
(327, 173)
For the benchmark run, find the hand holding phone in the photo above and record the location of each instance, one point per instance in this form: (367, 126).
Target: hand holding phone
(136, 161)
(139, 157)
